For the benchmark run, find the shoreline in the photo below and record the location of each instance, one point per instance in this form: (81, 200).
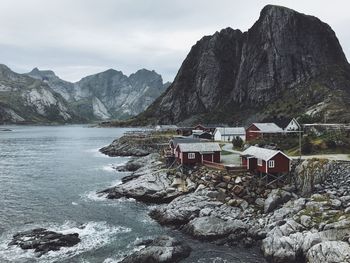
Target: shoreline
(212, 207)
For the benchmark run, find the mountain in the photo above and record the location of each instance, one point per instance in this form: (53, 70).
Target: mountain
(287, 64)
(109, 94)
(27, 100)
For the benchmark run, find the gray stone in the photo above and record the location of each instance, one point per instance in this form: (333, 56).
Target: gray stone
(162, 249)
(329, 251)
(275, 198)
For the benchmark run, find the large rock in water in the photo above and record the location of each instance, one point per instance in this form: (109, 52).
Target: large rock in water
(162, 249)
(43, 240)
(287, 63)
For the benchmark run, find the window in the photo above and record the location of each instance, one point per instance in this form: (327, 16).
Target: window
(191, 155)
(260, 162)
(271, 164)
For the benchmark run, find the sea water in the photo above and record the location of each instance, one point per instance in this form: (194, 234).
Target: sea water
(49, 176)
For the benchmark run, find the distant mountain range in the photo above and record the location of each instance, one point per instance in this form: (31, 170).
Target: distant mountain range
(287, 64)
(42, 97)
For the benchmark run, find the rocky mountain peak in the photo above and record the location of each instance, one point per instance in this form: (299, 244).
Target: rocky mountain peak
(232, 76)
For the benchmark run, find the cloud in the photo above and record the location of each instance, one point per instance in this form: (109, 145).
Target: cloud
(80, 37)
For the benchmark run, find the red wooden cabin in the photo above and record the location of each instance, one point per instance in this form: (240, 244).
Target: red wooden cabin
(193, 153)
(257, 130)
(261, 160)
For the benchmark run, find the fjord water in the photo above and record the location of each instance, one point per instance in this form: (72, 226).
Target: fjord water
(49, 176)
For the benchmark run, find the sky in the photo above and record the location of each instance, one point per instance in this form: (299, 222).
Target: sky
(76, 38)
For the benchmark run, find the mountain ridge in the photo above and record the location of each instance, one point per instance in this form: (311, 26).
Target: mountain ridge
(107, 94)
(40, 96)
(234, 76)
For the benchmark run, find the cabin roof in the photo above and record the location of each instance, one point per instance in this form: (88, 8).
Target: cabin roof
(183, 139)
(268, 127)
(261, 153)
(230, 130)
(199, 147)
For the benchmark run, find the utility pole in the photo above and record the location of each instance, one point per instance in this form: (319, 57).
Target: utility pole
(300, 145)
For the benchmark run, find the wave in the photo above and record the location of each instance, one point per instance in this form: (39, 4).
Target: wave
(108, 168)
(93, 196)
(93, 235)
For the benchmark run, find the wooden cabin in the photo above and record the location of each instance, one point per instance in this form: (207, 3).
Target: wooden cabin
(259, 130)
(194, 153)
(266, 161)
(181, 139)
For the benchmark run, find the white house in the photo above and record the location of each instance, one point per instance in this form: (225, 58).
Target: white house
(293, 125)
(228, 133)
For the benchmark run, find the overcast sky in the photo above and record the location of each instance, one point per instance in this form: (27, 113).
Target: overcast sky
(76, 38)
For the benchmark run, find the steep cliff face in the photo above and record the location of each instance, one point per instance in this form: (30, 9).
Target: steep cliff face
(60, 86)
(27, 100)
(109, 94)
(287, 64)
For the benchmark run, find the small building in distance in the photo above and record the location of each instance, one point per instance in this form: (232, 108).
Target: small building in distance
(266, 161)
(228, 133)
(196, 153)
(259, 130)
(202, 134)
(293, 125)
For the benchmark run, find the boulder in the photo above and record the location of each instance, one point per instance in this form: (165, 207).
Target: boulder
(329, 251)
(162, 249)
(276, 198)
(185, 208)
(211, 227)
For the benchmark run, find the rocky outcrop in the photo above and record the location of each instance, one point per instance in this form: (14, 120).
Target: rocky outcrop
(43, 240)
(211, 227)
(322, 174)
(150, 184)
(243, 76)
(136, 144)
(329, 251)
(162, 249)
(109, 94)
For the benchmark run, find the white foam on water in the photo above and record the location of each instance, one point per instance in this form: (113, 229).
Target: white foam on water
(117, 202)
(108, 168)
(116, 183)
(93, 235)
(93, 196)
(74, 203)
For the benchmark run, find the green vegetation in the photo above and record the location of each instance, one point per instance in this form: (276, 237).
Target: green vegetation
(223, 152)
(329, 142)
(237, 142)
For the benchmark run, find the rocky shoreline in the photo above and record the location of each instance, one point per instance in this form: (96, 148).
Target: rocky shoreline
(306, 220)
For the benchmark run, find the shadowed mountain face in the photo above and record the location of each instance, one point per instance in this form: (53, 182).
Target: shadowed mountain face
(286, 64)
(109, 94)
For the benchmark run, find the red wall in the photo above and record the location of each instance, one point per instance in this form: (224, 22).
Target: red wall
(198, 157)
(251, 134)
(282, 164)
(252, 164)
(217, 157)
